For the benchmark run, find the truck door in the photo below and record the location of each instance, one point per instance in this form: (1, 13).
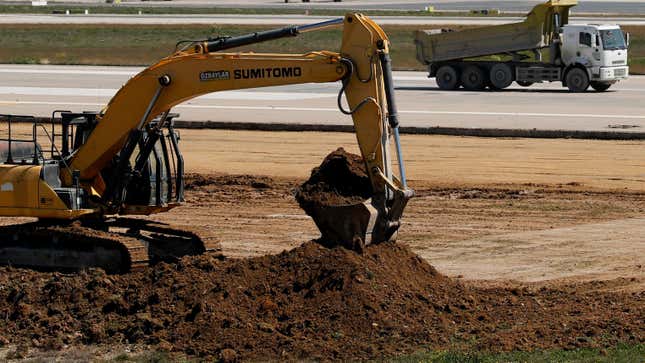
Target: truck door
(586, 47)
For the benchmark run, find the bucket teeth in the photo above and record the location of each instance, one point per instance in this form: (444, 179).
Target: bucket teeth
(357, 225)
(347, 225)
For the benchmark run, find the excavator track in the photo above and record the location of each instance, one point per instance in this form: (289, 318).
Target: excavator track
(70, 248)
(166, 242)
(117, 246)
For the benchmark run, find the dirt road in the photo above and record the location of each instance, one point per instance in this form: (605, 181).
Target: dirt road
(437, 159)
(524, 209)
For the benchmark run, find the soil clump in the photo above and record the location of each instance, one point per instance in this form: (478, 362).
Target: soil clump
(341, 179)
(334, 197)
(310, 302)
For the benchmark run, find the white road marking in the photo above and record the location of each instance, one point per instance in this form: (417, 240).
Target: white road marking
(106, 92)
(275, 19)
(320, 109)
(132, 72)
(69, 71)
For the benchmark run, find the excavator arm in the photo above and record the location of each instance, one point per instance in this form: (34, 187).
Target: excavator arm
(184, 76)
(119, 145)
(363, 65)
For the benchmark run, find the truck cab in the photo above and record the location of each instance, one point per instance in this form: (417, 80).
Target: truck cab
(600, 49)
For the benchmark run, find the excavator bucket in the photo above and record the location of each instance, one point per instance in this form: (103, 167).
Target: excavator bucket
(339, 198)
(355, 226)
(345, 225)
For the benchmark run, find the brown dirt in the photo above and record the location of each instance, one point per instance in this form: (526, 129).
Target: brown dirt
(469, 231)
(309, 302)
(389, 301)
(341, 179)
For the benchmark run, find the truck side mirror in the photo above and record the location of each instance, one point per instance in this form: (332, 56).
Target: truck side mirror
(627, 39)
(597, 40)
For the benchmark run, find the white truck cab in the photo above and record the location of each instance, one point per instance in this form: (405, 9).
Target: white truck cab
(600, 49)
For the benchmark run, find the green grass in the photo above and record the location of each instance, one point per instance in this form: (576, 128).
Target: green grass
(145, 44)
(149, 357)
(621, 354)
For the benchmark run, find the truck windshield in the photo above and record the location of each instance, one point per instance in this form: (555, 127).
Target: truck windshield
(613, 39)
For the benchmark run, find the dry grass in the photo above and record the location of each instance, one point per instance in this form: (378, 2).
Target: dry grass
(637, 48)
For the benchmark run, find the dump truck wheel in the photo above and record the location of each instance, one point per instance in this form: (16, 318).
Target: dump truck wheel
(577, 80)
(473, 78)
(525, 83)
(447, 78)
(501, 76)
(600, 86)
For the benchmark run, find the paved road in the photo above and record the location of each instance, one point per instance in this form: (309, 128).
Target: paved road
(596, 6)
(38, 90)
(276, 19)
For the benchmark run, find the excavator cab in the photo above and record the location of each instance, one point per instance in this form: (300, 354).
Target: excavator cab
(152, 177)
(157, 183)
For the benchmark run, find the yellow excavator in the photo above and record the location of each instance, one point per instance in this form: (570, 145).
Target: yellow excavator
(125, 160)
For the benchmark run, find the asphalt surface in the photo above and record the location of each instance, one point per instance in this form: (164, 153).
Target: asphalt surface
(596, 6)
(38, 90)
(280, 19)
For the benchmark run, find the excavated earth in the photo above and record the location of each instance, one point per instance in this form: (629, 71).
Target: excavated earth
(341, 179)
(308, 302)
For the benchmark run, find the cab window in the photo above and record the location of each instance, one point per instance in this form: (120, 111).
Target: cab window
(613, 39)
(585, 39)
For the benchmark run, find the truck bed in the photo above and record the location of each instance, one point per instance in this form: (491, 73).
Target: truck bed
(537, 31)
(438, 45)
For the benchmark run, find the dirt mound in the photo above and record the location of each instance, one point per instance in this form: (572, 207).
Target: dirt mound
(310, 302)
(194, 181)
(341, 179)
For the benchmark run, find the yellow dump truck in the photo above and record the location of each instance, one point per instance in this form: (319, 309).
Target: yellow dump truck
(542, 48)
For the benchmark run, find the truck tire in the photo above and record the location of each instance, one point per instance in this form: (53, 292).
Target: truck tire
(447, 78)
(600, 86)
(473, 78)
(525, 83)
(577, 80)
(501, 76)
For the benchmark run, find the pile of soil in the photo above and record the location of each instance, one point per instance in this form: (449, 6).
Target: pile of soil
(341, 179)
(196, 181)
(311, 302)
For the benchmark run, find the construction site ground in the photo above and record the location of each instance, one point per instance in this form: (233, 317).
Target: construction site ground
(552, 227)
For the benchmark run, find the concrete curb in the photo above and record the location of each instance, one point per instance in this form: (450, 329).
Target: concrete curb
(448, 131)
(438, 130)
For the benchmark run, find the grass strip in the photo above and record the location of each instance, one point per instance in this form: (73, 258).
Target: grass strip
(623, 353)
(145, 44)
